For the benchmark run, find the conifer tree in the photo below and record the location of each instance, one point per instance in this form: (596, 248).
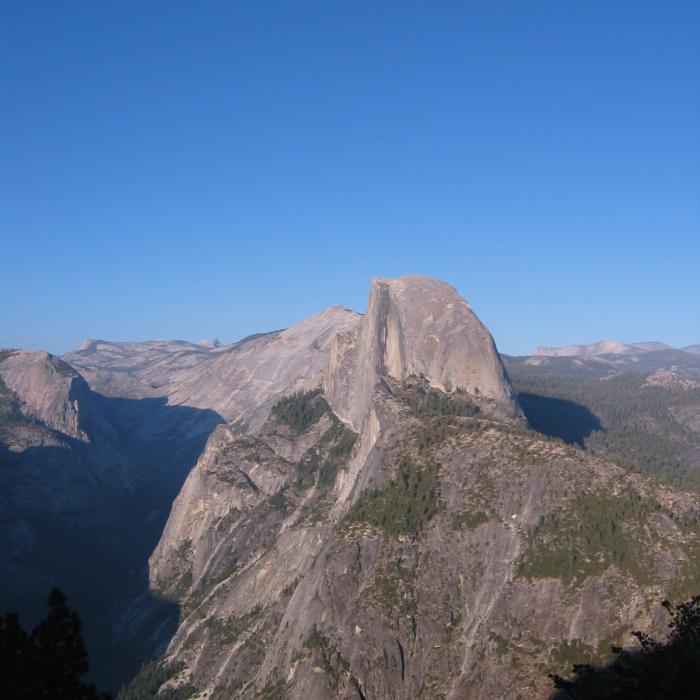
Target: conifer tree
(49, 662)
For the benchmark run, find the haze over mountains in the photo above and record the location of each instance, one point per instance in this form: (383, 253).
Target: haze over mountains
(613, 356)
(360, 506)
(610, 347)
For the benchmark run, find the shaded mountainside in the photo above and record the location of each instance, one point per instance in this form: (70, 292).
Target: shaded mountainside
(70, 471)
(648, 420)
(51, 418)
(400, 531)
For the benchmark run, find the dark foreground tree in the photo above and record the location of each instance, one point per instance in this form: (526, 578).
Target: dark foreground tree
(47, 663)
(658, 670)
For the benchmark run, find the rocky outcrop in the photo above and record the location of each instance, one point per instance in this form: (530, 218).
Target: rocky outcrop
(452, 574)
(415, 326)
(48, 390)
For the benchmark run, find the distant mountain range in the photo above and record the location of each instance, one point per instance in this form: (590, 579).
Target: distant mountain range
(609, 356)
(611, 347)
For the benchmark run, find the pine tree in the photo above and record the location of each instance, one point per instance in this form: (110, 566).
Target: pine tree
(659, 669)
(47, 664)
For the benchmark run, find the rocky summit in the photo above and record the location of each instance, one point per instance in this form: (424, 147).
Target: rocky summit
(414, 326)
(390, 527)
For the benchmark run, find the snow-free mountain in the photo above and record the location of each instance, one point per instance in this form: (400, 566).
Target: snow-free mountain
(395, 530)
(359, 506)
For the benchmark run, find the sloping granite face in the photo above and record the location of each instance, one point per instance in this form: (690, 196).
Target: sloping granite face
(415, 326)
(239, 382)
(401, 534)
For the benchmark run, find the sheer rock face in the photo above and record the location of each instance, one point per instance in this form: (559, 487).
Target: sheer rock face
(415, 326)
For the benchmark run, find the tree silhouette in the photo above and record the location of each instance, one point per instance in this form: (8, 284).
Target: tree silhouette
(16, 660)
(47, 663)
(658, 670)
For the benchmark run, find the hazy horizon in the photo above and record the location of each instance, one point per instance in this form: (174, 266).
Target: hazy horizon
(225, 340)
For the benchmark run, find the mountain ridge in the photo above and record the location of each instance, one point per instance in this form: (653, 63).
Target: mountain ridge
(607, 347)
(237, 381)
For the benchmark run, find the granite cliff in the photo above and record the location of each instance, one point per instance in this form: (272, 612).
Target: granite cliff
(414, 326)
(369, 513)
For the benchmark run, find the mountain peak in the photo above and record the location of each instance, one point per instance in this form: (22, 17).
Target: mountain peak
(414, 325)
(89, 345)
(429, 288)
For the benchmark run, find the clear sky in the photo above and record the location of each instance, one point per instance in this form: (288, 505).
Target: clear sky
(211, 169)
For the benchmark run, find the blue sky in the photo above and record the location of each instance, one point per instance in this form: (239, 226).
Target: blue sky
(201, 169)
